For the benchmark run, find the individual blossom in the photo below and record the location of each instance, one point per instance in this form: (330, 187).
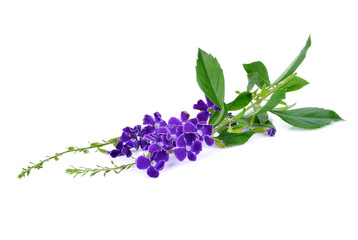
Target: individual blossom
(155, 121)
(151, 166)
(202, 106)
(188, 144)
(122, 149)
(184, 116)
(271, 132)
(205, 131)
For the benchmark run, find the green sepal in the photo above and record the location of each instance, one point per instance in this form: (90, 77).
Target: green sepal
(241, 101)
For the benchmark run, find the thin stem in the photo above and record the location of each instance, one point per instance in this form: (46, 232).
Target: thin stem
(26, 171)
(93, 171)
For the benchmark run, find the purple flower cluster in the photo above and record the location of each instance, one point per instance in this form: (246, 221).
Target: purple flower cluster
(184, 137)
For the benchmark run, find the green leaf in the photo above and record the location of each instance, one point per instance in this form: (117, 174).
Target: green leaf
(240, 101)
(235, 138)
(254, 79)
(273, 101)
(257, 75)
(221, 116)
(296, 63)
(294, 84)
(263, 117)
(309, 117)
(210, 78)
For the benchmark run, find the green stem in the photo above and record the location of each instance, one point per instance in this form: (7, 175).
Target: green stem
(239, 116)
(26, 171)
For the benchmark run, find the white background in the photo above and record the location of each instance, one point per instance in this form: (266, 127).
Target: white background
(79, 71)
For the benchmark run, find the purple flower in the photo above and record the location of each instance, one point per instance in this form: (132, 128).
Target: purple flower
(183, 137)
(155, 121)
(152, 167)
(205, 131)
(157, 153)
(122, 149)
(202, 106)
(185, 149)
(184, 116)
(187, 143)
(271, 132)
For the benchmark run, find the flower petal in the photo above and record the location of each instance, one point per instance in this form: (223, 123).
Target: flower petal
(159, 165)
(152, 172)
(190, 138)
(181, 141)
(196, 147)
(161, 156)
(203, 116)
(209, 102)
(126, 151)
(189, 128)
(154, 147)
(207, 130)
(128, 130)
(137, 129)
(129, 144)
(174, 120)
(209, 141)
(148, 120)
(125, 137)
(144, 144)
(191, 156)
(200, 105)
(142, 162)
(162, 123)
(157, 117)
(180, 153)
(162, 130)
(115, 153)
(136, 144)
(184, 116)
(149, 137)
(194, 121)
(119, 145)
(179, 130)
